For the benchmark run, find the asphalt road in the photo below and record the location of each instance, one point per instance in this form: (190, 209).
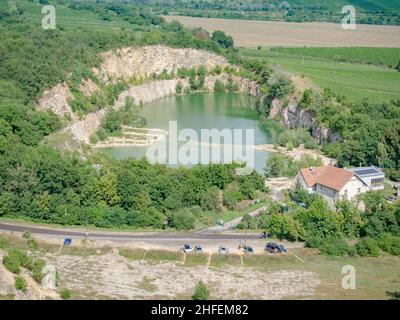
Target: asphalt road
(123, 236)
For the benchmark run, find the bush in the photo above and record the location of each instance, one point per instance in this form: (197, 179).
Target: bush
(65, 294)
(37, 270)
(219, 86)
(330, 246)
(284, 227)
(367, 247)
(390, 244)
(20, 284)
(11, 264)
(16, 259)
(201, 292)
(182, 220)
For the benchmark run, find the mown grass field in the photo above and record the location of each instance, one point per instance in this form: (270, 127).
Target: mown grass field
(353, 80)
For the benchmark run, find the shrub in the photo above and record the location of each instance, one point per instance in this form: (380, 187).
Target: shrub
(284, 227)
(330, 246)
(37, 270)
(11, 264)
(182, 220)
(65, 294)
(367, 247)
(390, 244)
(201, 292)
(219, 86)
(20, 284)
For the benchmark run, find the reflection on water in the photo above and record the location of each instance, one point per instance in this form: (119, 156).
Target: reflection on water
(202, 111)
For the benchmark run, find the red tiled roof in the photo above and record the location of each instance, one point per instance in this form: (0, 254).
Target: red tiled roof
(328, 176)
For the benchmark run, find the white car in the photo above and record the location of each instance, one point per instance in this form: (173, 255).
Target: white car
(187, 248)
(223, 250)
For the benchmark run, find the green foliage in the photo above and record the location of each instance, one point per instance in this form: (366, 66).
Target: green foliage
(280, 165)
(330, 246)
(201, 292)
(17, 259)
(367, 247)
(224, 40)
(37, 270)
(283, 226)
(219, 86)
(182, 219)
(20, 284)
(390, 244)
(65, 294)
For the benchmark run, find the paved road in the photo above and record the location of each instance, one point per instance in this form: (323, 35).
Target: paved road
(123, 236)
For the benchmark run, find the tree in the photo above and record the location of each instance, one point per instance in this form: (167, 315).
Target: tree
(201, 291)
(224, 40)
(108, 187)
(398, 67)
(219, 86)
(182, 220)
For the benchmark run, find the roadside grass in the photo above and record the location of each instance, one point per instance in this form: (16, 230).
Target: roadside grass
(196, 259)
(223, 260)
(132, 254)
(6, 297)
(353, 80)
(155, 256)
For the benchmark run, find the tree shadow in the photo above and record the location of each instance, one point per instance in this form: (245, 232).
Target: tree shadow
(393, 295)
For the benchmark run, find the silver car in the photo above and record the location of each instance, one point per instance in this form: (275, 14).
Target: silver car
(223, 250)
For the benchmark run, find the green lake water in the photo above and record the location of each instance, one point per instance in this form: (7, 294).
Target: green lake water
(203, 111)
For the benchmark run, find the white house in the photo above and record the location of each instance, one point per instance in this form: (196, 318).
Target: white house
(336, 184)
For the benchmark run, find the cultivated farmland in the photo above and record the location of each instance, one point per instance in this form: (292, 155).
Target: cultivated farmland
(254, 33)
(355, 81)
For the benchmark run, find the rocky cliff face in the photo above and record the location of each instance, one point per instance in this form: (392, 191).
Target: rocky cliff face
(293, 116)
(145, 61)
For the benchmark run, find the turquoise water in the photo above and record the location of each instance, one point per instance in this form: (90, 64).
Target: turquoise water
(202, 111)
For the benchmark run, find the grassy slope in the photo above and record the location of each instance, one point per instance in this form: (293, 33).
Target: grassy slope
(356, 81)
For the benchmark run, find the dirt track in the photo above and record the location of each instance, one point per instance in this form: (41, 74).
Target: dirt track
(248, 33)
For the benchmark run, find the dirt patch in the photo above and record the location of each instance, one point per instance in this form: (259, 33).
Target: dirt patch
(114, 277)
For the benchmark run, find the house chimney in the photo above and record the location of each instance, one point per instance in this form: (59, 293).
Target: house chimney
(312, 169)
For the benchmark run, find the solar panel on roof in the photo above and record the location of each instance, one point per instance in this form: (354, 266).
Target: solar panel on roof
(366, 171)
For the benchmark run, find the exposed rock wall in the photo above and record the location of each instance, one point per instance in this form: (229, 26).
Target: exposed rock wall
(144, 61)
(56, 100)
(293, 117)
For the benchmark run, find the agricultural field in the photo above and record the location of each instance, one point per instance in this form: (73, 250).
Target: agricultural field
(247, 33)
(389, 57)
(355, 81)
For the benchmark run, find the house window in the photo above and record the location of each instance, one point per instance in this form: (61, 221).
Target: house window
(345, 194)
(377, 182)
(359, 190)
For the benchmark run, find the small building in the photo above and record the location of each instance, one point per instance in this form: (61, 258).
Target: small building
(336, 184)
(373, 177)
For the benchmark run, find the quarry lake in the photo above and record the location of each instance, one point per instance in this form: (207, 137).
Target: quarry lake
(201, 111)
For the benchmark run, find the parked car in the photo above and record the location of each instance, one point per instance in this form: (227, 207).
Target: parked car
(248, 249)
(198, 249)
(273, 247)
(220, 222)
(223, 250)
(187, 248)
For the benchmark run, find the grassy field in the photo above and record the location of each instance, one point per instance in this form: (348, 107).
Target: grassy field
(389, 57)
(355, 81)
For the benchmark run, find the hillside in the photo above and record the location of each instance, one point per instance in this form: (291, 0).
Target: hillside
(368, 12)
